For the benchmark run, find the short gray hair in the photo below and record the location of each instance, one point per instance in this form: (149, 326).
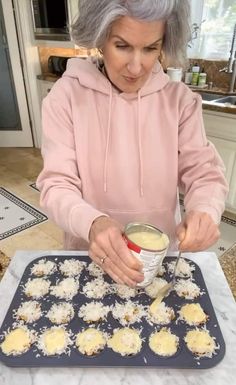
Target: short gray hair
(95, 19)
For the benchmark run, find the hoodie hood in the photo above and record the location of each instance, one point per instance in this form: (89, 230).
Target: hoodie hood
(90, 76)
(88, 73)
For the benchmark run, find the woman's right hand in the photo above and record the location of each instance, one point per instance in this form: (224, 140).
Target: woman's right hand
(108, 249)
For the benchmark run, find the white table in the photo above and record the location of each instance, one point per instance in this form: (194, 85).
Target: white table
(225, 308)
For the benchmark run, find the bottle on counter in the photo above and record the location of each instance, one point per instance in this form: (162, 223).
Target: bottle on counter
(188, 76)
(202, 79)
(195, 74)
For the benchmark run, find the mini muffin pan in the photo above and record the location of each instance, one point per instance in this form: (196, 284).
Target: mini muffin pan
(107, 358)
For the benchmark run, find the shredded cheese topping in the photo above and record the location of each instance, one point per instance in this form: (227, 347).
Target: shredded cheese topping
(61, 313)
(93, 312)
(29, 311)
(164, 343)
(65, 289)
(184, 268)
(43, 267)
(125, 341)
(37, 287)
(128, 313)
(200, 342)
(187, 289)
(153, 289)
(96, 288)
(90, 341)
(71, 267)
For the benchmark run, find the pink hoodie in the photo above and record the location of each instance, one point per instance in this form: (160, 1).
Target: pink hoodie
(124, 155)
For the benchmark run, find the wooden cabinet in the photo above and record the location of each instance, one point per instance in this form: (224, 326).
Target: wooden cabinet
(221, 131)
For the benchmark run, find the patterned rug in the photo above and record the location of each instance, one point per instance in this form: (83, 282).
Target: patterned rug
(33, 185)
(16, 215)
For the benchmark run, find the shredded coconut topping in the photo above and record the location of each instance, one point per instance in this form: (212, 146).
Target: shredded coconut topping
(128, 313)
(61, 313)
(162, 315)
(97, 288)
(71, 267)
(29, 311)
(187, 289)
(55, 340)
(37, 287)
(65, 289)
(124, 291)
(93, 312)
(95, 270)
(155, 286)
(184, 268)
(200, 342)
(43, 267)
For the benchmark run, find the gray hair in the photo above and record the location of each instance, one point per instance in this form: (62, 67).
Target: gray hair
(92, 27)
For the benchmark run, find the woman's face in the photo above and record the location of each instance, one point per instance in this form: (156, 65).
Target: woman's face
(131, 51)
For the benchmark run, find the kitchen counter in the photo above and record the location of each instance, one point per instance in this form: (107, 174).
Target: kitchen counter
(205, 105)
(225, 308)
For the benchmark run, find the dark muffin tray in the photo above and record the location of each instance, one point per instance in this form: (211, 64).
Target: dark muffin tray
(107, 358)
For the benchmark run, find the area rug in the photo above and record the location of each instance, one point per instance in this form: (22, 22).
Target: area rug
(16, 215)
(33, 185)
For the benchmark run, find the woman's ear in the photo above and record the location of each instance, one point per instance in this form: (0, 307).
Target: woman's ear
(162, 60)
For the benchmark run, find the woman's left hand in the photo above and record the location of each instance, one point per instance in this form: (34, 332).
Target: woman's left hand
(197, 232)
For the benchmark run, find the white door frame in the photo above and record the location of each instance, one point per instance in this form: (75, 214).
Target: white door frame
(16, 138)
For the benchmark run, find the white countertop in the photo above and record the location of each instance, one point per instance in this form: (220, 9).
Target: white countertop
(222, 374)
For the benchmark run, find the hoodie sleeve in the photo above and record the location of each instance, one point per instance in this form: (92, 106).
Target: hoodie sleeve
(59, 181)
(201, 170)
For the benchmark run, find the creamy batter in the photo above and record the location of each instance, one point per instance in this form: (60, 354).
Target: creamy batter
(16, 342)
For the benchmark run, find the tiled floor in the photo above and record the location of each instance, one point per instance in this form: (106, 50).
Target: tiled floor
(19, 168)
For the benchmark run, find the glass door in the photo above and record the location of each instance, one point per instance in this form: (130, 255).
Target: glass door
(15, 128)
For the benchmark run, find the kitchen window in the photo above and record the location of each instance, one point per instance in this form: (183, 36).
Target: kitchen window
(216, 19)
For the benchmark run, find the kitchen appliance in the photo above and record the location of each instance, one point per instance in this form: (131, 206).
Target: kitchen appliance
(57, 64)
(50, 19)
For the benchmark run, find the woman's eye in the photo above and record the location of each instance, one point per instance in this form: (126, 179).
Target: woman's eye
(151, 48)
(121, 46)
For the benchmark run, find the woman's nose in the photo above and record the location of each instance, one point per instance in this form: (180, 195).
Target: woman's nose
(135, 64)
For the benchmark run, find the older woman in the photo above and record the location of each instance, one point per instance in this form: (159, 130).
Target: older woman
(120, 139)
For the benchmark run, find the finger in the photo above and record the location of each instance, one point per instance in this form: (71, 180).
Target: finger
(120, 247)
(125, 275)
(107, 248)
(191, 225)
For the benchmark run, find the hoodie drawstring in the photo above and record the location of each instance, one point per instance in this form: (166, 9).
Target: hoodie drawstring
(108, 140)
(108, 144)
(140, 148)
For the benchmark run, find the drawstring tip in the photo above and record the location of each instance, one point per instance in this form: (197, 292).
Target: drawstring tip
(141, 191)
(105, 187)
